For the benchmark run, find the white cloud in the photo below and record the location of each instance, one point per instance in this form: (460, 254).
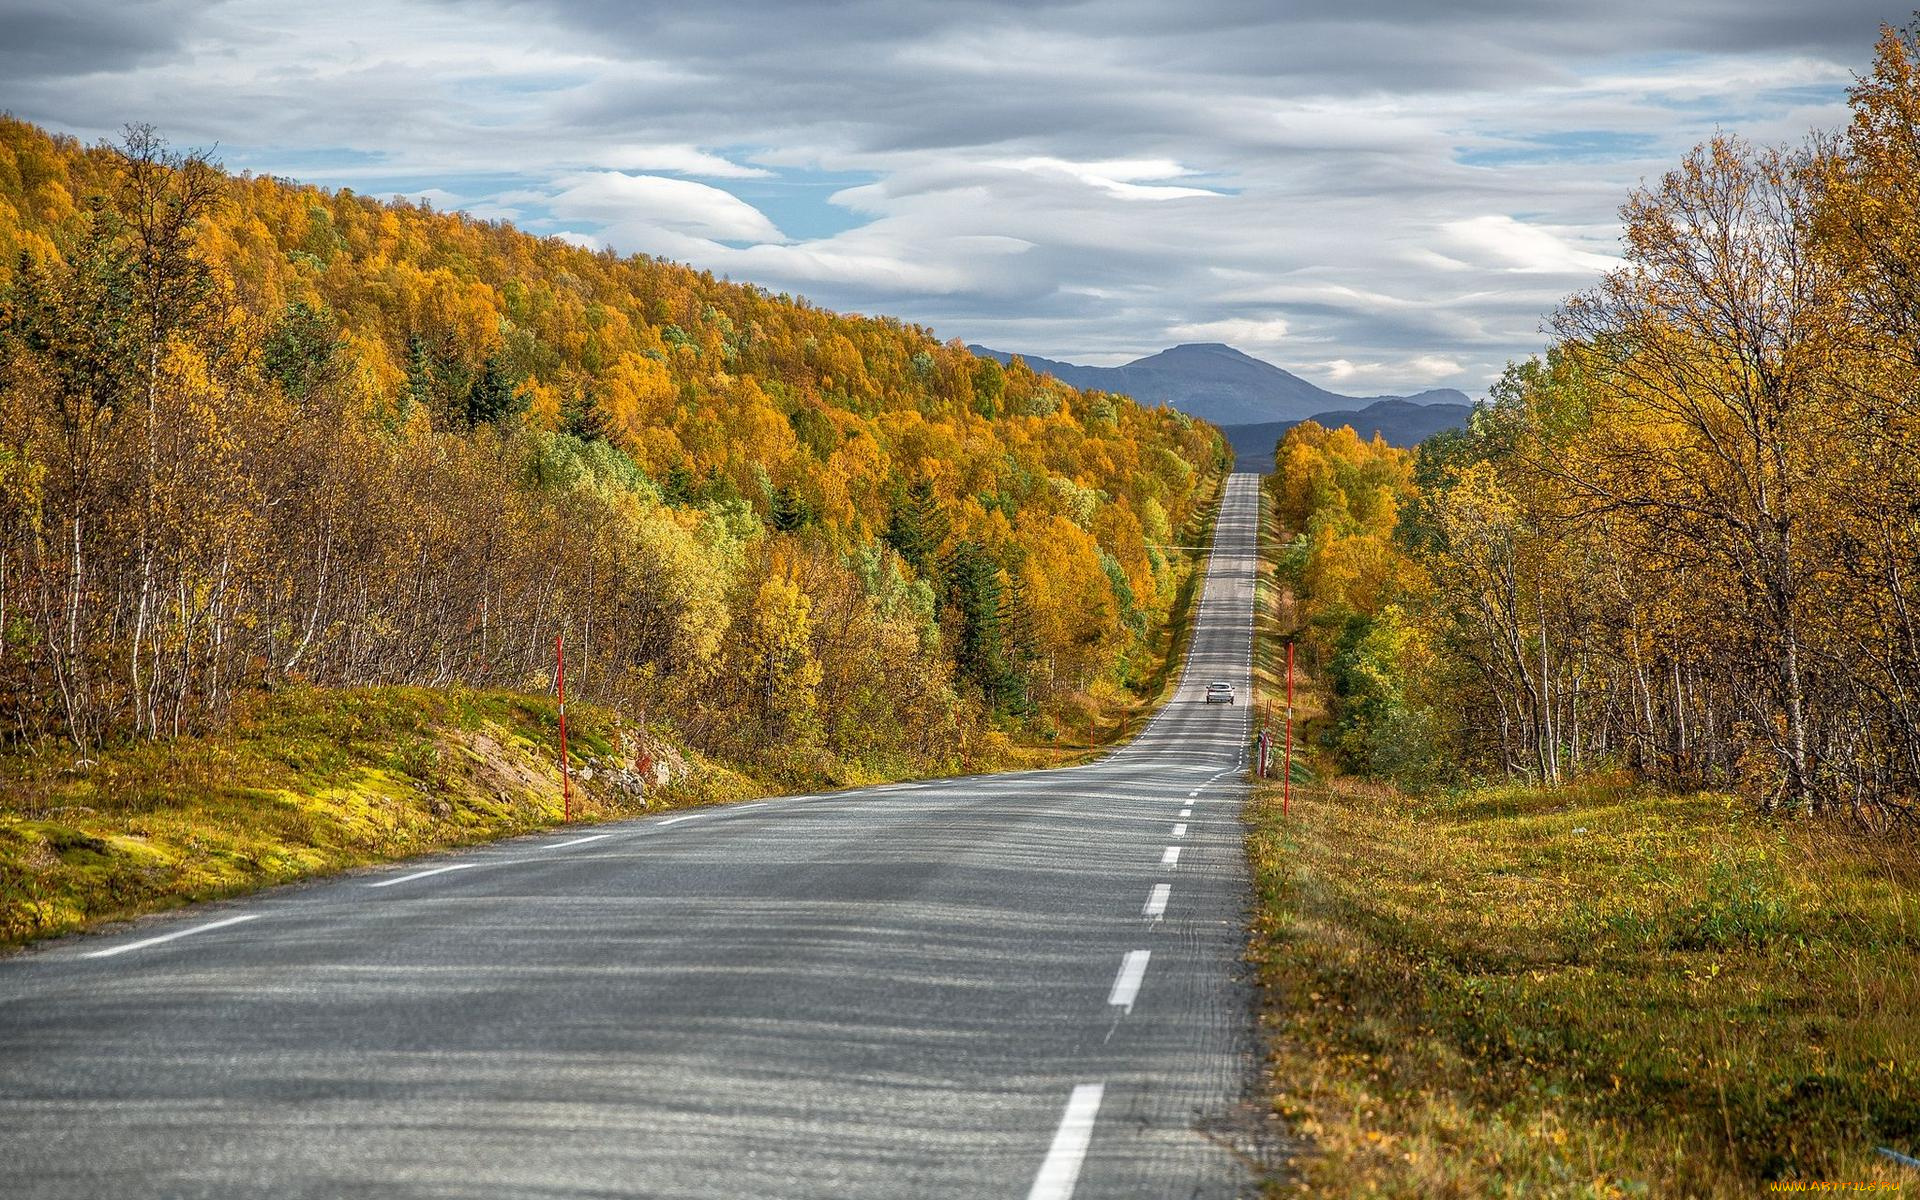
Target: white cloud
(586, 241)
(639, 204)
(1120, 179)
(683, 160)
(874, 265)
(1413, 374)
(1436, 366)
(439, 198)
(1237, 331)
(1709, 77)
(1503, 243)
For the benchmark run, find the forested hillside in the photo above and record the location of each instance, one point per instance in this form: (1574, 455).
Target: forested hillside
(254, 434)
(1684, 542)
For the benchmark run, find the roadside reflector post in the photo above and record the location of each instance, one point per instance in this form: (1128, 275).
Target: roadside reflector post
(1266, 739)
(1286, 784)
(566, 777)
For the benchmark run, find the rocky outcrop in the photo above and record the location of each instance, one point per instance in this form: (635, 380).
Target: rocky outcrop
(644, 766)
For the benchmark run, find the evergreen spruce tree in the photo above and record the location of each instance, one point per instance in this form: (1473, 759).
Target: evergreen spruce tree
(1022, 646)
(419, 389)
(302, 352)
(788, 511)
(495, 395)
(679, 485)
(585, 419)
(917, 526)
(973, 597)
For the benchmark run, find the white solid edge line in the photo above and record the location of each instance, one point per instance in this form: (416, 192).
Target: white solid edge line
(1157, 902)
(422, 874)
(1061, 1170)
(168, 937)
(1126, 985)
(575, 842)
(1171, 857)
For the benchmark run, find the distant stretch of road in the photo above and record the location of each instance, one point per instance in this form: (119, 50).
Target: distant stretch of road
(1002, 986)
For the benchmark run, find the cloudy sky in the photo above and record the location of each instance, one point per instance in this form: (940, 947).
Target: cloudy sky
(1381, 196)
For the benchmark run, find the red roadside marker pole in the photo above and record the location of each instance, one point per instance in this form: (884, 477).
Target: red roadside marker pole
(566, 778)
(1286, 785)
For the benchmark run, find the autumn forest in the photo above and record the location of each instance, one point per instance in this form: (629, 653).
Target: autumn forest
(1683, 542)
(254, 434)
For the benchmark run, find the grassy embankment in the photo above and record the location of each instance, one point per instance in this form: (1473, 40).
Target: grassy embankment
(304, 782)
(1594, 992)
(307, 782)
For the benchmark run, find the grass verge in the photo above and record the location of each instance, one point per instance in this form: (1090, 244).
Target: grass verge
(1600, 991)
(305, 782)
(1597, 992)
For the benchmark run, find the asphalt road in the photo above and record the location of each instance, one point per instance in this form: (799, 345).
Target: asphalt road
(1003, 986)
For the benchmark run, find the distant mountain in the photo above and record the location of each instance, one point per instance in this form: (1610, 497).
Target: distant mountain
(1213, 382)
(1402, 422)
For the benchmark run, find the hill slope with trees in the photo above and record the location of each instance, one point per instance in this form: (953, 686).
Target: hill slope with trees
(255, 434)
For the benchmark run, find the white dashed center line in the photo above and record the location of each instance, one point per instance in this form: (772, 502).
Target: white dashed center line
(1179, 831)
(1061, 1170)
(575, 842)
(1126, 985)
(168, 937)
(1157, 902)
(422, 875)
(1171, 857)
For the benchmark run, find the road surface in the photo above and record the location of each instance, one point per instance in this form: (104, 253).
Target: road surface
(1003, 986)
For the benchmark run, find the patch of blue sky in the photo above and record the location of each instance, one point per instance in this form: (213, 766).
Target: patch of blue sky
(1208, 178)
(292, 160)
(1572, 146)
(800, 202)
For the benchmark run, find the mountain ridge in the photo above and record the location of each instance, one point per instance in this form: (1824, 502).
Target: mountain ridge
(1215, 382)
